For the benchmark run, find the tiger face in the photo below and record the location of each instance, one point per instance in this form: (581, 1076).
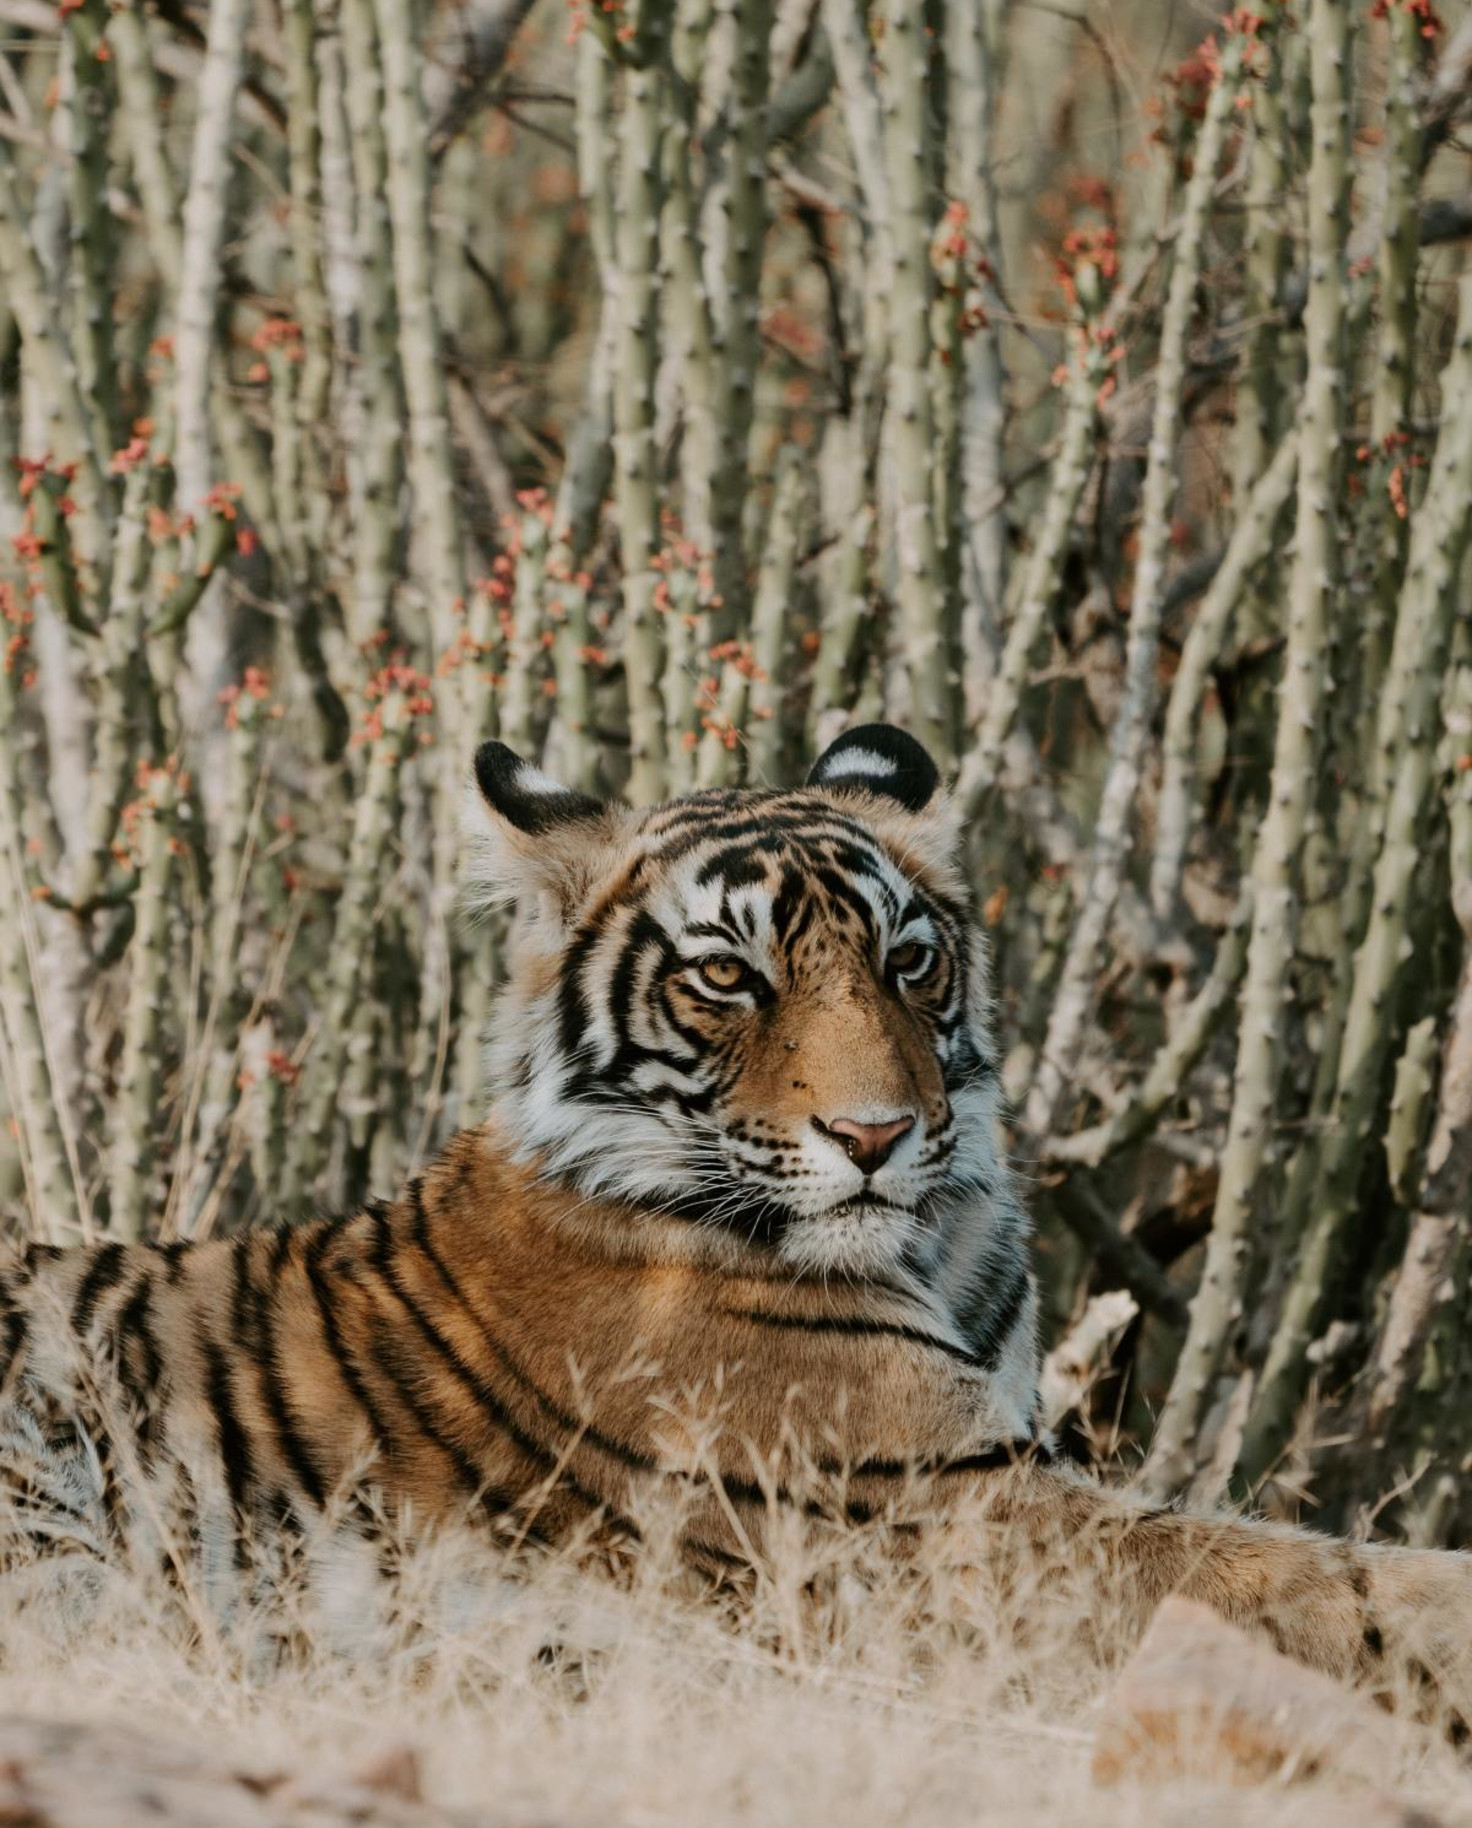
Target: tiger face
(761, 1011)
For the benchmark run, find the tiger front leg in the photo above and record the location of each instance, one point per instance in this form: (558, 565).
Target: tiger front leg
(1398, 1621)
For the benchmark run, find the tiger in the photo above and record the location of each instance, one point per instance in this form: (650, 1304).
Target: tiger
(736, 1225)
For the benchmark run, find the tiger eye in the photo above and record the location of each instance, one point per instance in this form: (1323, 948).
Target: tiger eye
(909, 958)
(723, 972)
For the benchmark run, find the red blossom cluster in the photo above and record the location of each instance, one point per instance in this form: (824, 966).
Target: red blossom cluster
(960, 271)
(1088, 265)
(533, 501)
(792, 333)
(135, 451)
(611, 9)
(38, 473)
(737, 655)
(679, 556)
(1423, 11)
(18, 619)
(254, 683)
(1099, 348)
(164, 526)
(150, 780)
(464, 650)
(278, 333)
(33, 472)
(1394, 446)
(1193, 79)
(222, 499)
(396, 677)
(281, 1066)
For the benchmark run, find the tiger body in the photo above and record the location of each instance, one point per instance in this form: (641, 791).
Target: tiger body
(441, 1349)
(737, 1228)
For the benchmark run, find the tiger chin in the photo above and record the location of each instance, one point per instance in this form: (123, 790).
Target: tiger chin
(736, 1228)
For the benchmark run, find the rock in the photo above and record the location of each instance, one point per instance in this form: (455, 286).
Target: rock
(1201, 1699)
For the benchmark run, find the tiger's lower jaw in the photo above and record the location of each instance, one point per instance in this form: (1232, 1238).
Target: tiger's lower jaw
(863, 1235)
(858, 1237)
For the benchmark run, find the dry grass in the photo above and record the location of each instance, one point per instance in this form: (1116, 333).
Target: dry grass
(872, 1693)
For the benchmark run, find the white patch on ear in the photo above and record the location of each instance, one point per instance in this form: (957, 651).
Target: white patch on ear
(863, 762)
(533, 780)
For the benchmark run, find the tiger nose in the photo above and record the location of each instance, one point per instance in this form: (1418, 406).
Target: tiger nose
(869, 1145)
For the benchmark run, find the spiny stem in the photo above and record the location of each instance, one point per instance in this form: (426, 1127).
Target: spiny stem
(1251, 542)
(1043, 577)
(304, 158)
(49, 358)
(1218, 1302)
(344, 1010)
(141, 1072)
(737, 305)
(376, 466)
(922, 595)
(636, 235)
(89, 263)
(1428, 605)
(1137, 703)
(56, 1214)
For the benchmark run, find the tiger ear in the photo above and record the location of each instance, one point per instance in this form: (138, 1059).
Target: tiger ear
(878, 759)
(529, 836)
(895, 786)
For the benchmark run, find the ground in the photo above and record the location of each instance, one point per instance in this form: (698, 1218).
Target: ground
(559, 1698)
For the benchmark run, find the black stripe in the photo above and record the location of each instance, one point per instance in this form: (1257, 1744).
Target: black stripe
(572, 1009)
(998, 1324)
(108, 1262)
(135, 1333)
(174, 1255)
(1021, 1452)
(298, 1455)
(13, 1337)
(242, 1293)
(989, 1459)
(760, 1221)
(858, 1327)
(758, 824)
(475, 1385)
(584, 1431)
(700, 1550)
(467, 1470)
(332, 1334)
(843, 895)
(234, 1441)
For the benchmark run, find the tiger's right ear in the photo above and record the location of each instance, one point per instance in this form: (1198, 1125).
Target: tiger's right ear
(528, 835)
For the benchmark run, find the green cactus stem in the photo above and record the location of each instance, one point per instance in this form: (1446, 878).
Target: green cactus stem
(1217, 1305)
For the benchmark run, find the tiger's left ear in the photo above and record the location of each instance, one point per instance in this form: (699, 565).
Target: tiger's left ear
(895, 787)
(528, 836)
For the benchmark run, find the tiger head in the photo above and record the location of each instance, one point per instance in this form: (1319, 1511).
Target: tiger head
(763, 1011)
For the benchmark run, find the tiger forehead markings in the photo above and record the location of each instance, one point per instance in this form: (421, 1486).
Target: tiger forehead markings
(768, 1014)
